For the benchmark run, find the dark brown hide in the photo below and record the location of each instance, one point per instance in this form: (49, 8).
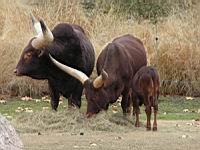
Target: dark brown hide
(71, 47)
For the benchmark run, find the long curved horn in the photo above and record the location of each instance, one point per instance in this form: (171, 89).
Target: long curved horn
(44, 38)
(99, 81)
(71, 71)
(36, 24)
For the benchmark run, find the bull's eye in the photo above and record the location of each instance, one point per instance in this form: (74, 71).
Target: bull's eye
(27, 56)
(40, 53)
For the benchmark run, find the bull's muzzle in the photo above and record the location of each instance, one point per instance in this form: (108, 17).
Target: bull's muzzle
(16, 72)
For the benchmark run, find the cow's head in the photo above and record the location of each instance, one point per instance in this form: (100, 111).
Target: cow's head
(31, 62)
(97, 98)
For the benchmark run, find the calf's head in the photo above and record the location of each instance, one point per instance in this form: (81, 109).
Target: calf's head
(31, 62)
(95, 93)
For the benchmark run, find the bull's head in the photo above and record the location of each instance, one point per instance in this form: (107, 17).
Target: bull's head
(31, 62)
(95, 93)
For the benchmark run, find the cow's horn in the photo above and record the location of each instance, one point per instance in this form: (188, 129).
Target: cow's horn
(36, 24)
(99, 81)
(44, 38)
(71, 71)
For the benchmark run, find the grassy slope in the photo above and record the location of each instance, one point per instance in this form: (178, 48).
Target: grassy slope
(170, 108)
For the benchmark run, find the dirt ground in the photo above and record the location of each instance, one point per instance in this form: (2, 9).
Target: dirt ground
(171, 135)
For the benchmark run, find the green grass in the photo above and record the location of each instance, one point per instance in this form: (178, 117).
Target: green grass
(170, 108)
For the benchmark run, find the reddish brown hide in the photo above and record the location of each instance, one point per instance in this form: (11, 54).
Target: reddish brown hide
(146, 87)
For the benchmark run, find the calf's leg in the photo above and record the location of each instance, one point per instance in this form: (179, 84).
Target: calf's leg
(137, 121)
(155, 118)
(148, 114)
(136, 110)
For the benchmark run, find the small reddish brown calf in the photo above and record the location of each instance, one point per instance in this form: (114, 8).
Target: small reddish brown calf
(146, 87)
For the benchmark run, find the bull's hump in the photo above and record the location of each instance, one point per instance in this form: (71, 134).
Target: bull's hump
(63, 30)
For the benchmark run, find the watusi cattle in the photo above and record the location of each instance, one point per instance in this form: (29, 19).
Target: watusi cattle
(146, 88)
(68, 44)
(116, 66)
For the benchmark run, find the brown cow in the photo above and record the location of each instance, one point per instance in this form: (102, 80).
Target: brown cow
(116, 67)
(146, 87)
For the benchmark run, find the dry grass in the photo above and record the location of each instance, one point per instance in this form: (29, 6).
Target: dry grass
(70, 121)
(175, 54)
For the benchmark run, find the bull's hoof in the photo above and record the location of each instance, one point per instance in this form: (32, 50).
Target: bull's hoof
(154, 128)
(148, 128)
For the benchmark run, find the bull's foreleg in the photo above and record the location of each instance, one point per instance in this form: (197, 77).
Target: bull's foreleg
(75, 99)
(125, 103)
(54, 94)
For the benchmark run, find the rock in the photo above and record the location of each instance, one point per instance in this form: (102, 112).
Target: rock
(76, 146)
(28, 109)
(185, 110)
(19, 109)
(37, 100)
(114, 109)
(93, 144)
(184, 136)
(44, 97)
(9, 139)
(45, 108)
(9, 117)
(189, 124)
(2, 101)
(177, 125)
(26, 98)
(189, 98)
(118, 138)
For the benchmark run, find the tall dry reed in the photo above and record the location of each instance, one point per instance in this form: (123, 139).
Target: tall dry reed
(175, 54)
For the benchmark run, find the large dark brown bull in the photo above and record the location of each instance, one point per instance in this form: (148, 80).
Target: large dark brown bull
(68, 44)
(146, 88)
(116, 67)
